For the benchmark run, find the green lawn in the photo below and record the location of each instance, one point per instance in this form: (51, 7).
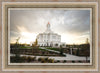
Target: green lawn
(41, 49)
(56, 49)
(25, 47)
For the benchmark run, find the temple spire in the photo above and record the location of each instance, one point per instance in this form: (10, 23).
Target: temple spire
(48, 23)
(48, 26)
(48, 30)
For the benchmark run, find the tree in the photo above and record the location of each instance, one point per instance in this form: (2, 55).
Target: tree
(17, 40)
(78, 51)
(35, 43)
(87, 51)
(61, 50)
(17, 45)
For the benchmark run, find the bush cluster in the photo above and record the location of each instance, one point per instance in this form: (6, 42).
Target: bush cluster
(21, 59)
(45, 60)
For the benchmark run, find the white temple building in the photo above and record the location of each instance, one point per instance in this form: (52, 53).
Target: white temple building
(49, 38)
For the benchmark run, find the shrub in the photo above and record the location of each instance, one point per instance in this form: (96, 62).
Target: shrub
(29, 59)
(39, 59)
(17, 59)
(80, 61)
(51, 60)
(43, 61)
(64, 61)
(73, 61)
(46, 59)
(88, 61)
(24, 57)
(58, 61)
(33, 58)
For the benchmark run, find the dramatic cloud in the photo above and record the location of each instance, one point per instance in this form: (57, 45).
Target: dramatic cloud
(63, 22)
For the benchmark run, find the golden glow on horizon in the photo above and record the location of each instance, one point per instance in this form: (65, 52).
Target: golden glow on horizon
(73, 39)
(28, 38)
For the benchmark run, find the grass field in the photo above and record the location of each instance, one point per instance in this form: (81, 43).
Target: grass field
(41, 49)
(56, 49)
(25, 47)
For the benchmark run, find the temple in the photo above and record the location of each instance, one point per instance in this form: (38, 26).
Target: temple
(49, 38)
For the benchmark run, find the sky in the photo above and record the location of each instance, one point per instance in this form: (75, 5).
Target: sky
(73, 25)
